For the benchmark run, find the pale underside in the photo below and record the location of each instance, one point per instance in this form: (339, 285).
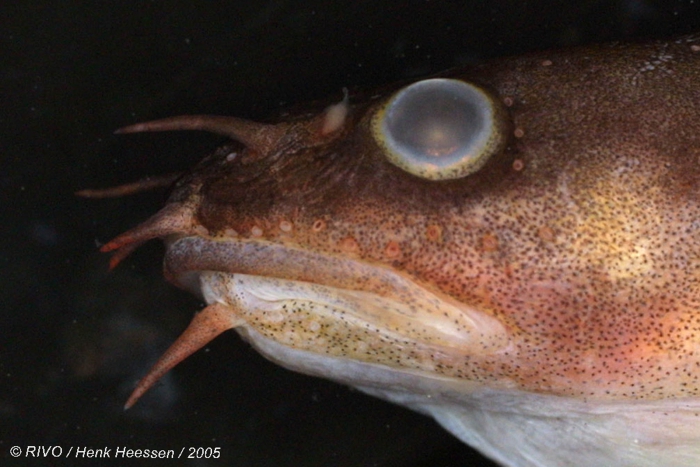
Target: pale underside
(514, 427)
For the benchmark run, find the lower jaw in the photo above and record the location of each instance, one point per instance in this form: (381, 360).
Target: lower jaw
(515, 427)
(346, 324)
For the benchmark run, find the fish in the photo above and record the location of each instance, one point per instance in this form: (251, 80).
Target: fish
(510, 248)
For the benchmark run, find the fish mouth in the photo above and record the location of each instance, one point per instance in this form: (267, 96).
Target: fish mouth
(312, 302)
(330, 287)
(292, 294)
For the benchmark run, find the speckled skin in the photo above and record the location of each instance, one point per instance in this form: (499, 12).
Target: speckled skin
(572, 253)
(580, 237)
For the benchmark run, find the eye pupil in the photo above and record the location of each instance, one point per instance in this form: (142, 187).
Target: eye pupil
(439, 128)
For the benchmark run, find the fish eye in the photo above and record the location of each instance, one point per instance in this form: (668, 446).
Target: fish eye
(441, 129)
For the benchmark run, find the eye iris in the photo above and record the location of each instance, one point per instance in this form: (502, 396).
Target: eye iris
(440, 128)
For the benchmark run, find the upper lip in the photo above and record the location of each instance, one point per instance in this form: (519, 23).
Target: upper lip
(444, 319)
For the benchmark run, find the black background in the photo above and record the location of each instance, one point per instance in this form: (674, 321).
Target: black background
(75, 338)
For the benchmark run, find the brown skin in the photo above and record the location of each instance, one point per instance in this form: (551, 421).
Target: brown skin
(580, 237)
